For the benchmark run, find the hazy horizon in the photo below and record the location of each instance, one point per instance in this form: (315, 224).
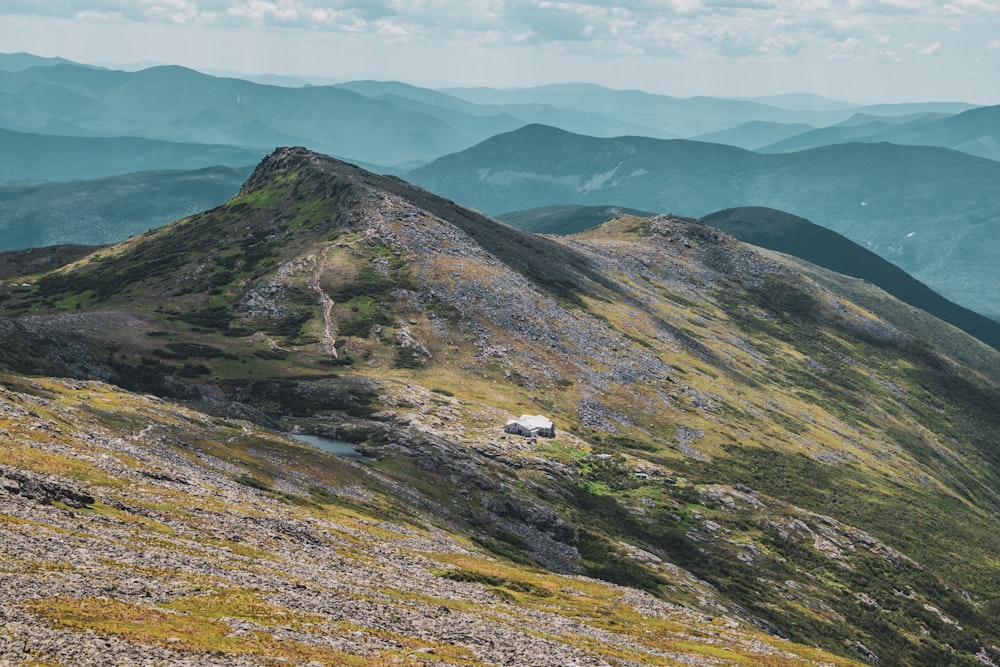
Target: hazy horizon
(859, 51)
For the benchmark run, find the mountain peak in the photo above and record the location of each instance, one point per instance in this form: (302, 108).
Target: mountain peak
(285, 161)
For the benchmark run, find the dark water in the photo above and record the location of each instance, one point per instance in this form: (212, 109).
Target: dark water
(332, 445)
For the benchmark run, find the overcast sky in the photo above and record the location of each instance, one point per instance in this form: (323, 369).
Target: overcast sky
(855, 50)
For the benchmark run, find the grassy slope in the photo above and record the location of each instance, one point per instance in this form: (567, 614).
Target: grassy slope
(177, 483)
(795, 236)
(816, 456)
(564, 219)
(777, 230)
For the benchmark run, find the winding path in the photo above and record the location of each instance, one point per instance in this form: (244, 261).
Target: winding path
(329, 337)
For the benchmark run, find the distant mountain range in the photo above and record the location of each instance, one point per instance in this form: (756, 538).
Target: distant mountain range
(18, 62)
(692, 116)
(178, 104)
(755, 134)
(474, 117)
(931, 211)
(397, 124)
(110, 209)
(976, 132)
(66, 121)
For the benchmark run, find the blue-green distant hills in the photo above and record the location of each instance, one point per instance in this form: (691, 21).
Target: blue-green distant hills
(976, 132)
(178, 104)
(109, 209)
(934, 212)
(384, 122)
(691, 117)
(46, 157)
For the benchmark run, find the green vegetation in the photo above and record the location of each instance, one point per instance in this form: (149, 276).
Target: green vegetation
(730, 433)
(497, 581)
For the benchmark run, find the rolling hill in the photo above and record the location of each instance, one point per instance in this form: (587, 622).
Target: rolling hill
(755, 135)
(504, 117)
(17, 62)
(931, 211)
(110, 209)
(742, 453)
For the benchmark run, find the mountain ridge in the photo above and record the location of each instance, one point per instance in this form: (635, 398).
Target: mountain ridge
(972, 131)
(179, 104)
(929, 210)
(771, 447)
(797, 237)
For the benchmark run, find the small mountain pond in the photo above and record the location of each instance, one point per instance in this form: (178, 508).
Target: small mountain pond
(333, 446)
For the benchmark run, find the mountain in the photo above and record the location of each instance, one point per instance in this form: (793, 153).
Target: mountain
(931, 211)
(803, 102)
(17, 62)
(444, 106)
(681, 117)
(860, 127)
(800, 238)
(690, 117)
(384, 123)
(741, 453)
(47, 157)
(565, 219)
(110, 209)
(756, 134)
(976, 132)
(178, 538)
(178, 104)
(820, 248)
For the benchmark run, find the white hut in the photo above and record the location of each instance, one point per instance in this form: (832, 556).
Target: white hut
(531, 425)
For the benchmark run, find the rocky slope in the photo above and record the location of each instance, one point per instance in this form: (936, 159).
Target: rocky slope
(152, 539)
(931, 211)
(732, 437)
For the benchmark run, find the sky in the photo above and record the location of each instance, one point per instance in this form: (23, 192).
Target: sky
(863, 51)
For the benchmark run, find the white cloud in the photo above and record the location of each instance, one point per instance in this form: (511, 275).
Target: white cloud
(813, 36)
(850, 48)
(972, 7)
(890, 6)
(764, 29)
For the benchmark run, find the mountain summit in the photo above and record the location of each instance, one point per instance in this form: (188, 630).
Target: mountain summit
(732, 437)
